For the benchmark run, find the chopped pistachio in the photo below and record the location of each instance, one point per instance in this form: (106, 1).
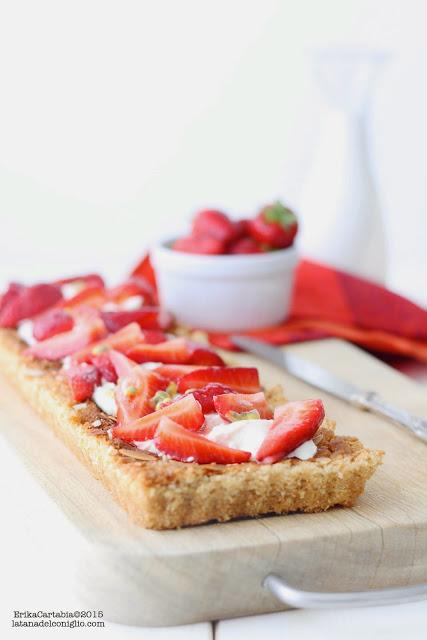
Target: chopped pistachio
(171, 389)
(158, 399)
(100, 348)
(131, 391)
(245, 415)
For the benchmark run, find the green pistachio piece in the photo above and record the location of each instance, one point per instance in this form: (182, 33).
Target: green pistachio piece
(246, 415)
(101, 348)
(158, 398)
(171, 389)
(131, 391)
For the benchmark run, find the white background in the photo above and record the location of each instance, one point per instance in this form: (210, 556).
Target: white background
(119, 119)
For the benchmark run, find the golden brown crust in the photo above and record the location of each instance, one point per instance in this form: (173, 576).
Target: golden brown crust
(164, 494)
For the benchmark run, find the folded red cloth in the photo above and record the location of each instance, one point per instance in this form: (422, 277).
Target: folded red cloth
(327, 302)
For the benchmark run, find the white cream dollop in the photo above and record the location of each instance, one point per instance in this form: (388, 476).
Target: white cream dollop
(147, 445)
(248, 435)
(104, 397)
(71, 289)
(150, 366)
(25, 332)
(132, 303)
(305, 451)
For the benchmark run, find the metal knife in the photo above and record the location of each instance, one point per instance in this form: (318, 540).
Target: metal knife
(322, 379)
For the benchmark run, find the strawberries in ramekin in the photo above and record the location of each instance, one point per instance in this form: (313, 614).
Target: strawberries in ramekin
(214, 233)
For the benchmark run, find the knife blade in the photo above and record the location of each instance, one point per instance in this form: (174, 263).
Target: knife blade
(320, 378)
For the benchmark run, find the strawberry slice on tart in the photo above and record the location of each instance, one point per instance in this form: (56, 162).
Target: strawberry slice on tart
(134, 394)
(121, 341)
(92, 296)
(51, 322)
(144, 269)
(11, 292)
(87, 280)
(87, 329)
(174, 372)
(175, 351)
(294, 423)
(206, 395)
(134, 286)
(153, 336)
(121, 363)
(21, 302)
(105, 367)
(151, 318)
(186, 411)
(240, 379)
(184, 445)
(231, 406)
(82, 379)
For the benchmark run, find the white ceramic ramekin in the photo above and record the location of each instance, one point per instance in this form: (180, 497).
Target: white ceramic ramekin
(225, 292)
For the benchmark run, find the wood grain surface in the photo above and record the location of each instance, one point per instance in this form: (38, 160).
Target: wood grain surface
(215, 571)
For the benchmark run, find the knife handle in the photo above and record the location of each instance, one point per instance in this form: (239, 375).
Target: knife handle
(371, 401)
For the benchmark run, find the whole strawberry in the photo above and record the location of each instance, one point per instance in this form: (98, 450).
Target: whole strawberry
(275, 225)
(245, 245)
(215, 224)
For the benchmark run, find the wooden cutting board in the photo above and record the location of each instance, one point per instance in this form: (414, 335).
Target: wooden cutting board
(216, 571)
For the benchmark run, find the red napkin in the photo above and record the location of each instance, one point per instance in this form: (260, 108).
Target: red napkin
(327, 302)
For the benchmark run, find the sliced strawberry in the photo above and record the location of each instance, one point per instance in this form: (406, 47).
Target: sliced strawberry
(52, 322)
(82, 379)
(93, 296)
(134, 286)
(206, 395)
(175, 371)
(175, 351)
(180, 444)
(205, 356)
(105, 367)
(121, 341)
(242, 379)
(152, 318)
(22, 302)
(294, 423)
(121, 363)
(89, 280)
(88, 329)
(203, 244)
(228, 404)
(134, 394)
(186, 411)
(144, 269)
(154, 337)
(12, 292)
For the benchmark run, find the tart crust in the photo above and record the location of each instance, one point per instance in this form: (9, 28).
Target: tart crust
(166, 494)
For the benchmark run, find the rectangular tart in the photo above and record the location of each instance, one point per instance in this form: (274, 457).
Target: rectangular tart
(159, 493)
